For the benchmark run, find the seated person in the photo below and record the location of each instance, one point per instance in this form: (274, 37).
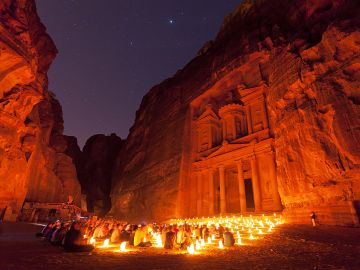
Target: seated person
(74, 241)
(181, 237)
(115, 235)
(132, 235)
(104, 231)
(125, 235)
(170, 238)
(97, 230)
(140, 237)
(45, 230)
(50, 233)
(54, 240)
(229, 240)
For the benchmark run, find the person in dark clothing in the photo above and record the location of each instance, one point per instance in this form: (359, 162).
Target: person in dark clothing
(45, 230)
(313, 217)
(51, 230)
(74, 241)
(124, 236)
(170, 239)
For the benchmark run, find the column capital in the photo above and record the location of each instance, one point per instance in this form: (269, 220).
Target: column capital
(239, 161)
(252, 157)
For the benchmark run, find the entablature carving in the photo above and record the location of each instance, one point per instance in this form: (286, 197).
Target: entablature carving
(228, 154)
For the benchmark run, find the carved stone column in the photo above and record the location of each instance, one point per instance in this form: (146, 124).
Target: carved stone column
(211, 193)
(222, 190)
(199, 194)
(255, 184)
(248, 119)
(193, 196)
(265, 115)
(224, 129)
(273, 179)
(242, 194)
(210, 138)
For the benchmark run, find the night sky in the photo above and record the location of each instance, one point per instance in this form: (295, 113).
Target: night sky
(111, 52)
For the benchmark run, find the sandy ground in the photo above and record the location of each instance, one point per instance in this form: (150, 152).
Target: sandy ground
(289, 247)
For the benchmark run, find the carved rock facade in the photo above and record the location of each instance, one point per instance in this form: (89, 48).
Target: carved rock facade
(265, 118)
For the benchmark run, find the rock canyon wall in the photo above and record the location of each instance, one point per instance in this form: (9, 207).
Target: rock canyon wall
(265, 118)
(95, 165)
(33, 163)
(288, 72)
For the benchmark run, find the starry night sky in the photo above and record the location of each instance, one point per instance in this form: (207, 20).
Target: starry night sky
(111, 52)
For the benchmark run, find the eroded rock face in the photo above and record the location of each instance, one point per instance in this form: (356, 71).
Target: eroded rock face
(306, 55)
(95, 166)
(33, 165)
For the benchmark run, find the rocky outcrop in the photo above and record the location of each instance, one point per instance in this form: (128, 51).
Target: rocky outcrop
(95, 166)
(33, 165)
(306, 53)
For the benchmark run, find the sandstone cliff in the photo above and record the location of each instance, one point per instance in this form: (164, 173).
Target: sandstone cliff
(32, 160)
(95, 165)
(307, 55)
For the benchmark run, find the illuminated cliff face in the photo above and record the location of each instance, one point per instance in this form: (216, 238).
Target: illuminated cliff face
(33, 165)
(188, 154)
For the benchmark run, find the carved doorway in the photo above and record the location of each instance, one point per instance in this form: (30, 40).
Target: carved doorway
(249, 193)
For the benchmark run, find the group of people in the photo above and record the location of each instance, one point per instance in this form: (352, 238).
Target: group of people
(66, 234)
(75, 236)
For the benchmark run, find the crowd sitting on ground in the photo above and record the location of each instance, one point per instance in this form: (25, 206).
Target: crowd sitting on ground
(74, 236)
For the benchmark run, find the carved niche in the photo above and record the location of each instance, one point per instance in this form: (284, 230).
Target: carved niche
(208, 129)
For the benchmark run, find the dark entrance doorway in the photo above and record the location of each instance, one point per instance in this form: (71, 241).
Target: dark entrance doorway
(250, 205)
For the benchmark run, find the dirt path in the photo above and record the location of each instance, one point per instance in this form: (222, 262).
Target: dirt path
(289, 247)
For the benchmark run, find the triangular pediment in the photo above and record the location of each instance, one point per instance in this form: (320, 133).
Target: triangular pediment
(248, 91)
(208, 114)
(228, 147)
(247, 94)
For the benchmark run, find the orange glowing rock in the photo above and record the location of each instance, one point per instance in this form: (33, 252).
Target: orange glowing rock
(275, 118)
(34, 165)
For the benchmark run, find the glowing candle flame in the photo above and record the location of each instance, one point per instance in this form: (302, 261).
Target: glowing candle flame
(251, 236)
(202, 242)
(209, 240)
(213, 237)
(221, 245)
(92, 241)
(159, 241)
(239, 241)
(123, 246)
(191, 249)
(106, 243)
(197, 245)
